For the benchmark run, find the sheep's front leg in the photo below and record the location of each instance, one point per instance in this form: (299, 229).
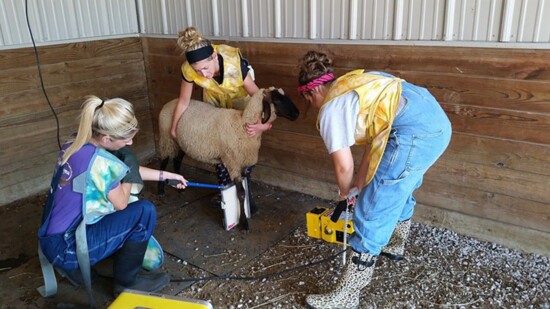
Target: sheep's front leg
(243, 221)
(251, 207)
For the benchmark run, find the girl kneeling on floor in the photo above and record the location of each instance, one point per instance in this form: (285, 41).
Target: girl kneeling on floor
(93, 186)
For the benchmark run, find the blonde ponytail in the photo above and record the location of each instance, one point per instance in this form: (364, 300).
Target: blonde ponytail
(114, 118)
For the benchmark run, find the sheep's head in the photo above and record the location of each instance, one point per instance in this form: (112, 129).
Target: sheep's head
(284, 107)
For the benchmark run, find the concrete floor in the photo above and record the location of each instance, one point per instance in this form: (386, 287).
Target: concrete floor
(189, 228)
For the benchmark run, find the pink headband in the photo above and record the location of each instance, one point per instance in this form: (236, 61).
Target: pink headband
(316, 82)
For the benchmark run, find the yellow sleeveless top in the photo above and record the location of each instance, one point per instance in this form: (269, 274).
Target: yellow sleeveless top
(379, 98)
(231, 88)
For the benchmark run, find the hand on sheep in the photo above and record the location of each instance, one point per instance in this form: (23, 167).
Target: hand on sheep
(258, 127)
(173, 132)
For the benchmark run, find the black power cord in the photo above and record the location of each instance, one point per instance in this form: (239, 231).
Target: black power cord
(266, 276)
(40, 73)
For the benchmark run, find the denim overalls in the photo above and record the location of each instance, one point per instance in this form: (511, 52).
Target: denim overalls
(134, 224)
(420, 134)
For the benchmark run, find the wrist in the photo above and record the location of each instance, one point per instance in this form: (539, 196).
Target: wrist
(269, 125)
(341, 196)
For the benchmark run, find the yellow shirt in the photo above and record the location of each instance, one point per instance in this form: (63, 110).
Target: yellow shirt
(232, 86)
(378, 101)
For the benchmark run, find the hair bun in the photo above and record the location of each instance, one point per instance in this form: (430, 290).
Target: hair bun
(189, 38)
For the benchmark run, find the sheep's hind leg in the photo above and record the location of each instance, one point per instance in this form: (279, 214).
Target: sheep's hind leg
(177, 162)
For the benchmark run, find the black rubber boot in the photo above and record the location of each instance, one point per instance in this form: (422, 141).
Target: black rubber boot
(127, 267)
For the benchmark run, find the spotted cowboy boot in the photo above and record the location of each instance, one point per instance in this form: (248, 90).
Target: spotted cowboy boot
(396, 247)
(357, 275)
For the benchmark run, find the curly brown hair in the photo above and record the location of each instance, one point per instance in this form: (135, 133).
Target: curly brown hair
(313, 65)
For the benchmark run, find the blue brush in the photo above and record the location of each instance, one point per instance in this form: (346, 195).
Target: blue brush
(174, 182)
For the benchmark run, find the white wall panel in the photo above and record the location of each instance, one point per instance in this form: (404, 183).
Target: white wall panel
(294, 20)
(61, 20)
(230, 15)
(531, 21)
(261, 18)
(467, 21)
(376, 19)
(170, 16)
(13, 23)
(422, 20)
(332, 17)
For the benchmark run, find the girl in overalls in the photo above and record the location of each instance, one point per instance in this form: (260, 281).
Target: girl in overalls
(406, 131)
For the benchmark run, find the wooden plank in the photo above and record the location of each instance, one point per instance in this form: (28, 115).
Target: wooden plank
(22, 57)
(527, 186)
(507, 124)
(314, 165)
(161, 46)
(485, 204)
(519, 237)
(60, 96)
(295, 182)
(36, 184)
(500, 153)
(521, 64)
(68, 72)
(41, 138)
(514, 119)
(517, 95)
(504, 154)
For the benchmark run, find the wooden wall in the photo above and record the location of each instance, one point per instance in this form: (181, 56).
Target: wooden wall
(491, 183)
(493, 180)
(28, 143)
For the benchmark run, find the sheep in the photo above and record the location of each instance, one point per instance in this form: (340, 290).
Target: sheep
(215, 135)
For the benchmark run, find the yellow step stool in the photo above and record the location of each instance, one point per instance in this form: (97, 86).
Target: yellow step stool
(132, 299)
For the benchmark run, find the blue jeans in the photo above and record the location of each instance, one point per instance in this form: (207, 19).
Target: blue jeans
(420, 134)
(133, 224)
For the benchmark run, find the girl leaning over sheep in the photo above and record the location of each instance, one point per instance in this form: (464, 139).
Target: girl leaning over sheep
(225, 76)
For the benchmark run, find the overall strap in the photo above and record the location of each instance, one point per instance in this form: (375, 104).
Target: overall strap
(50, 283)
(84, 259)
(49, 288)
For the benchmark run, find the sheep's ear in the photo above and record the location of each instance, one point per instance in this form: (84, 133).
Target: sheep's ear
(266, 108)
